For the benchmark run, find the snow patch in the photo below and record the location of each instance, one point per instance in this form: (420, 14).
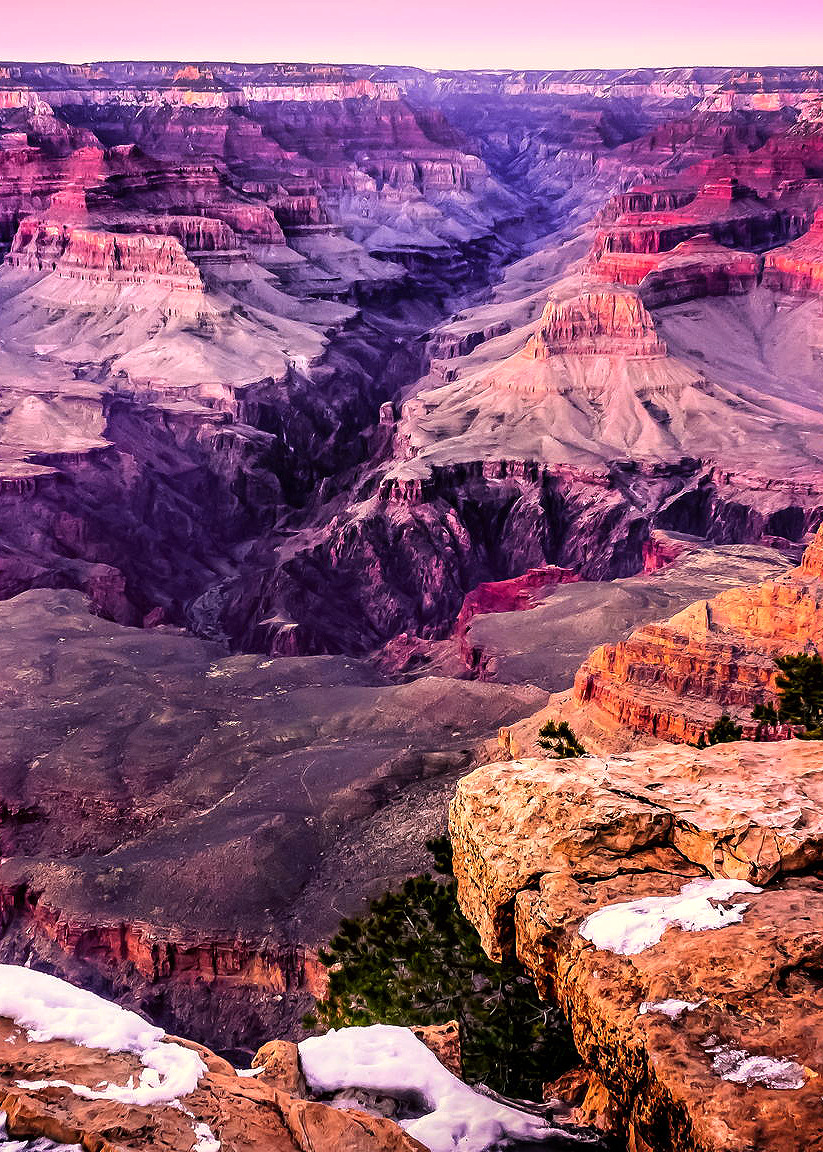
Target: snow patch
(739, 1067)
(670, 1008)
(206, 1140)
(392, 1061)
(629, 928)
(50, 1009)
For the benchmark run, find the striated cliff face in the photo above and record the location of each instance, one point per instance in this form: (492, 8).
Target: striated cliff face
(231, 989)
(629, 889)
(698, 268)
(797, 268)
(195, 233)
(85, 254)
(693, 269)
(674, 679)
(596, 324)
(728, 211)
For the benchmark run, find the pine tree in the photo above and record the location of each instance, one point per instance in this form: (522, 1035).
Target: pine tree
(415, 959)
(560, 739)
(766, 717)
(724, 731)
(801, 693)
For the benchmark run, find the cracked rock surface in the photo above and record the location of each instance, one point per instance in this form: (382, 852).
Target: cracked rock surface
(708, 1039)
(248, 1113)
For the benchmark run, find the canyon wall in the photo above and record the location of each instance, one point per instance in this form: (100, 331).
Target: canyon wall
(673, 680)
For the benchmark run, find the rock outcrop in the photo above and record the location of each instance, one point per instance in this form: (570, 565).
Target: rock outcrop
(79, 1070)
(630, 889)
(797, 268)
(224, 1110)
(726, 210)
(673, 680)
(693, 269)
(596, 324)
(87, 255)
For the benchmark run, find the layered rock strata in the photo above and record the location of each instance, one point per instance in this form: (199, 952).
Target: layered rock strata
(797, 268)
(672, 680)
(693, 269)
(86, 254)
(596, 324)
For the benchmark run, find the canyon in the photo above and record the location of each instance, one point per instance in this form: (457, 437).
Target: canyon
(353, 422)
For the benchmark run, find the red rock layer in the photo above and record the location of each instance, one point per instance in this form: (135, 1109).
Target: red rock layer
(255, 222)
(698, 268)
(512, 595)
(82, 253)
(596, 323)
(797, 268)
(159, 957)
(672, 680)
(727, 210)
(195, 233)
(693, 269)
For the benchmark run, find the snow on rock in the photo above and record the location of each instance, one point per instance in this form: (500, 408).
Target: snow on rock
(392, 1061)
(629, 928)
(670, 1008)
(738, 1066)
(50, 1009)
(206, 1140)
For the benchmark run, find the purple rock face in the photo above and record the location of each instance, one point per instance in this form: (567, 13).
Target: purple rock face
(290, 364)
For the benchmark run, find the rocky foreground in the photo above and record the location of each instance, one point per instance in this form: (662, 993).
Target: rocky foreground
(79, 1071)
(670, 901)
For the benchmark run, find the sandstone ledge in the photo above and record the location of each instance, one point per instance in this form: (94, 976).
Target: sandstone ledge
(539, 846)
(249, 1113)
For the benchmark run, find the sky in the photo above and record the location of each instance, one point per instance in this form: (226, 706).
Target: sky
(429, 33)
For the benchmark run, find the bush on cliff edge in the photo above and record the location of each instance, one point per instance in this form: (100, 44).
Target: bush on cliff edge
(415, 959)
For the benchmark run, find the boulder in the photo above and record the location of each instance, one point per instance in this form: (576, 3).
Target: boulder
(444, 1041)
(630, 889)
(280, 1061)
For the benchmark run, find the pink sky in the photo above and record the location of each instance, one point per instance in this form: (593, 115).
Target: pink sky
(430, 33)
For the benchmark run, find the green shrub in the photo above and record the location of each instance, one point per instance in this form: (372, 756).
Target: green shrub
(560, 740)
(800, 685)
(415, 959)
(724, 731)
